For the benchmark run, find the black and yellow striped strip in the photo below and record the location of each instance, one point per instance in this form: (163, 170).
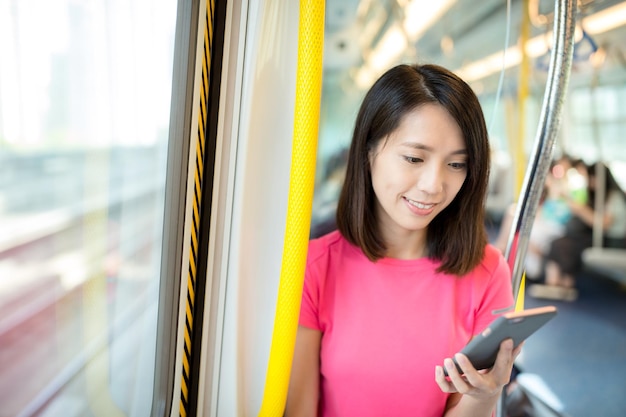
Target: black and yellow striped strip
(192, 327)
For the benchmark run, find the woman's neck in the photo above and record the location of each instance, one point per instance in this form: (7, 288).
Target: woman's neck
(408, 245)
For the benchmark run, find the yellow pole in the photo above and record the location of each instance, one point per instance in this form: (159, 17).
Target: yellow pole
(300, 202)
(520, 156)
(519, 149)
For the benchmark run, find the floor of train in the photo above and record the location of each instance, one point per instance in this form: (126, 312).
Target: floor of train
(581, 354)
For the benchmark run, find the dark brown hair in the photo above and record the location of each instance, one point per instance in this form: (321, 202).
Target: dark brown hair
(457, 236)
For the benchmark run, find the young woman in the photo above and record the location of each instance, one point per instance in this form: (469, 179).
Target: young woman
(408, 277)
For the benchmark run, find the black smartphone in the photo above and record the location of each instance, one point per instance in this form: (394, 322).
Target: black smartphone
(483, 348)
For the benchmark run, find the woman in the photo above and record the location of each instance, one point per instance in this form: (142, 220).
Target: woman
(408, 277)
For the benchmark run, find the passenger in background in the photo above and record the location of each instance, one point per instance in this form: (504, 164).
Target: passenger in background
(563, 261)
(550, 219)
(408, 278)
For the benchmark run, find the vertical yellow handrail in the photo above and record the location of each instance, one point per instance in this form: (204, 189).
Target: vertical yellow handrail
(522, 97)
(300, 202)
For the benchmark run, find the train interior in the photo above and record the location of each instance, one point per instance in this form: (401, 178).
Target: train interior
(108, 307)
(470, 37)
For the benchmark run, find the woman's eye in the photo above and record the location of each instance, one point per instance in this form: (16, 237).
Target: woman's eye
(412, 159)
(458, 165)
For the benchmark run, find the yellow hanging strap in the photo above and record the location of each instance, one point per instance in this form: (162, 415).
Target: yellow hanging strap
(300, 201)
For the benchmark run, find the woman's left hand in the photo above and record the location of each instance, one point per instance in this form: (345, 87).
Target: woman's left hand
(478, 384)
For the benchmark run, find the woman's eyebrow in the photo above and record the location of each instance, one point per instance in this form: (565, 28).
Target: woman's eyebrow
(421, 146)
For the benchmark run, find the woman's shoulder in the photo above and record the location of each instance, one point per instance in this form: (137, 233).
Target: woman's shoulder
(327, 256)
(326, 245)
(493, 261)
(491, 280)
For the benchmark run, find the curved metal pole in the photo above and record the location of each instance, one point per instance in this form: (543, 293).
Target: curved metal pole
(539, 163)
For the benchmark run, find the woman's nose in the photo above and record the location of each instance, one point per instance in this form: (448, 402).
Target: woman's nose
(431, 179)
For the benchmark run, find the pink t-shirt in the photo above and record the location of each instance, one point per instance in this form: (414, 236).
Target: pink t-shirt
(386, 325)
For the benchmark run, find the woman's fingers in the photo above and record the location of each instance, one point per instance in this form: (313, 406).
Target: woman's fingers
(505, 358)
(445, 382)
(476, 382)
(501, 370)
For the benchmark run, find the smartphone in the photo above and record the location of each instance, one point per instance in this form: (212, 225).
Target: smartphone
(483, 348)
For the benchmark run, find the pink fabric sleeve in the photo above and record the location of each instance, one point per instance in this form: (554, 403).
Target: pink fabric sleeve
(310, 307)
(498, 294)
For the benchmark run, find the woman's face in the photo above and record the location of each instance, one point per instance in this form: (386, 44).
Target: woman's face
(417, 171)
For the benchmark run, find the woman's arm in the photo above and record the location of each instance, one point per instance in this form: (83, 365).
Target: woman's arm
(304, 384)
(475, 394)
(587, 215)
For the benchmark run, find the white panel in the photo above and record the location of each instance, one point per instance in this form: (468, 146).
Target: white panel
(260, 203)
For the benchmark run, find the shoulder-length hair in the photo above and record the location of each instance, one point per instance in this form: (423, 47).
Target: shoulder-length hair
(610, 183)
(457, 236)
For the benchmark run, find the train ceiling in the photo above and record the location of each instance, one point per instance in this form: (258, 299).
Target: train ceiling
(363, 37)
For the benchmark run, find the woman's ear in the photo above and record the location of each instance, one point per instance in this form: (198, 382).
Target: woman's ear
(371, 155)
(372, 152)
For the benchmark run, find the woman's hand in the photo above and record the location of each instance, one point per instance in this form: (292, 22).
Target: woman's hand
(483, 387)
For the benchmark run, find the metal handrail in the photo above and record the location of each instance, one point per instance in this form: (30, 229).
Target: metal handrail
(541, 157)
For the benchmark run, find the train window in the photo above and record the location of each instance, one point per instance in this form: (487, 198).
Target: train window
(597, 122)
(84, 117)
